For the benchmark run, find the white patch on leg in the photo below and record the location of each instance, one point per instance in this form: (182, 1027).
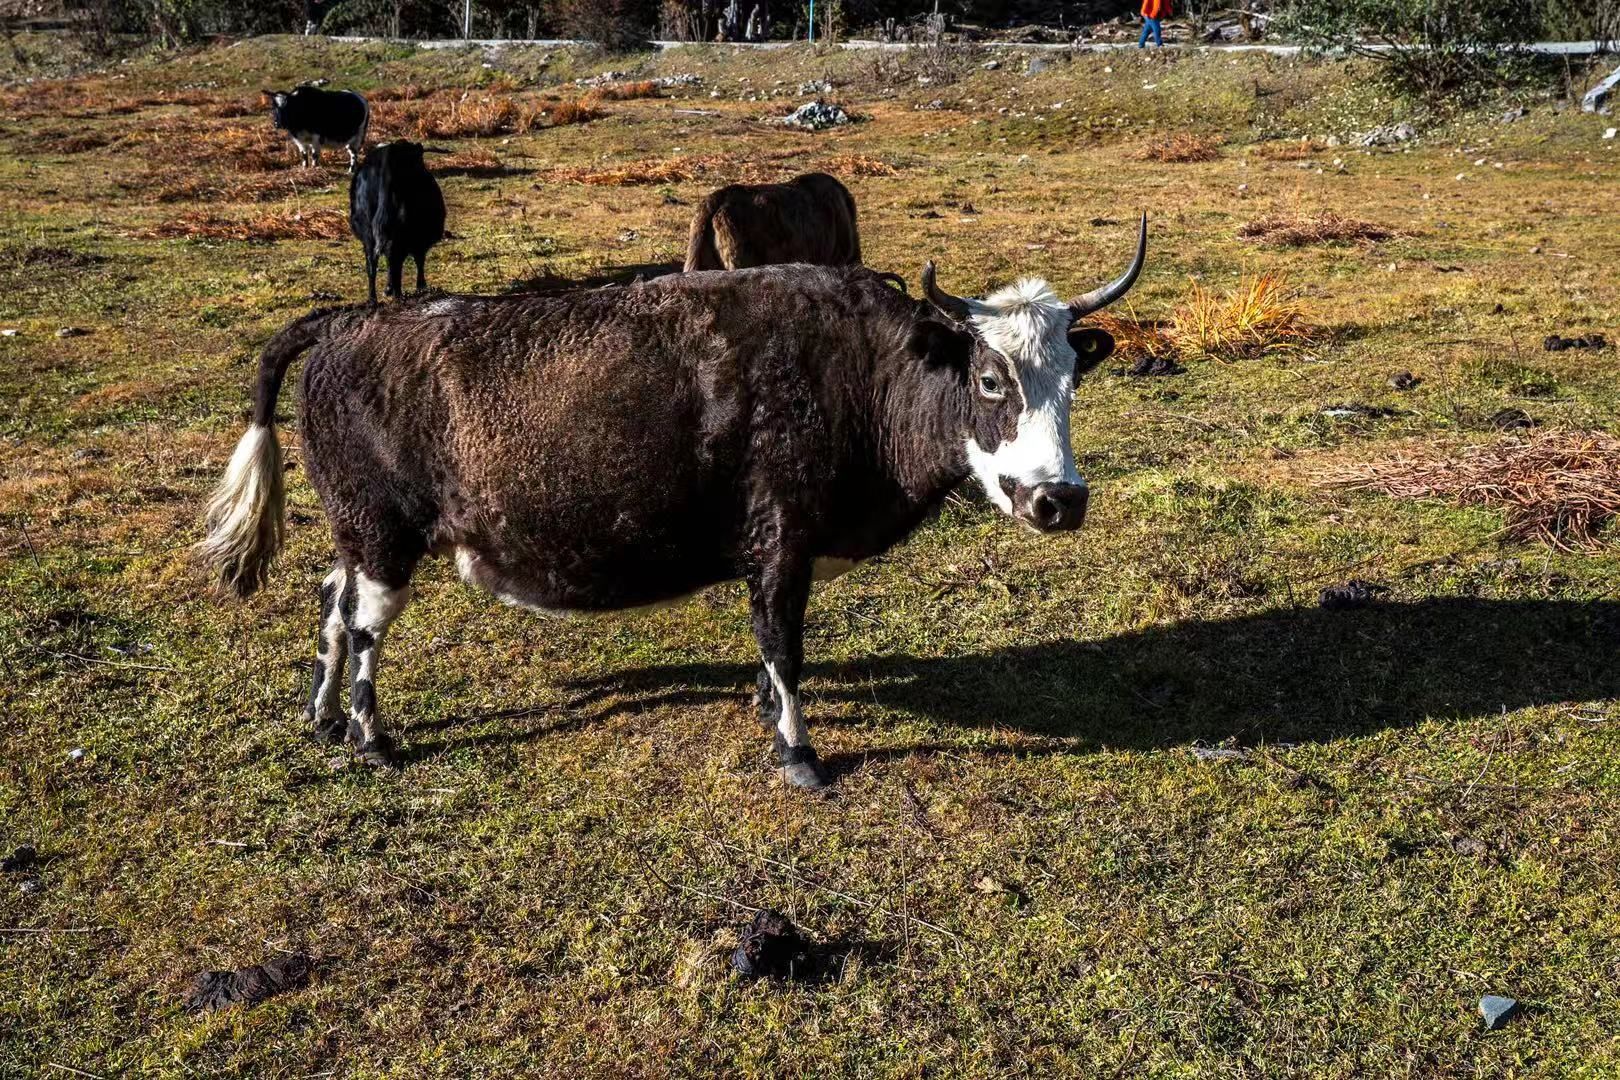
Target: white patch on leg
(375, 607)
(336, 639)
(790, 722)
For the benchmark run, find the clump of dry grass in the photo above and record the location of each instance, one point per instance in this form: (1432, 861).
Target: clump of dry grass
(1179, 148)
(1260, 315)
(628, 91)
(1327, 227)
(285, 225)
(665, 171)
(1133, 339)
(858, 165)
(471, 162)
(76, 144)
(579, 111)
(457, 116)
(1560, 487)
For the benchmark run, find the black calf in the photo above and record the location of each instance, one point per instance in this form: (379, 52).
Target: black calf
(395, 210)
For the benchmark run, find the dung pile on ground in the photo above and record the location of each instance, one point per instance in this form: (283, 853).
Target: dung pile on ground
(1560, 487)
(1558, 343)
(1327, 227)
(249, 985)
(772, 946)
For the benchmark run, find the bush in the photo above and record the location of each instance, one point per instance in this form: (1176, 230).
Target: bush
(1434, 48)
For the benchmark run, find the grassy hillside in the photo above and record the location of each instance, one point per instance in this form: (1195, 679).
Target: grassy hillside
(1027, 867)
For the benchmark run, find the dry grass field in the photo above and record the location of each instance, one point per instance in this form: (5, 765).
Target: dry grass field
(1125, 802)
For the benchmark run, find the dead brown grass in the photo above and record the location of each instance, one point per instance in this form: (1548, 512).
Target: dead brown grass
(858, 165)
(1262, 314)
(1179, 148)
(1134, 339)
(580, 111)
(77, 144)
(189, 184)
(1560, 487)
(628, 91)
(456, 116)
(1327, 227)
(718, 168)
(285, 225)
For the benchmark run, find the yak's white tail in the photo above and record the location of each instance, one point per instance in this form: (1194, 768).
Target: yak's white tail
(246, 512)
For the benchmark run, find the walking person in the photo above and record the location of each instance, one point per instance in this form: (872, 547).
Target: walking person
(1152, 12)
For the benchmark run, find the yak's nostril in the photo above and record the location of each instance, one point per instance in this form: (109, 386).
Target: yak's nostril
(1058, 506)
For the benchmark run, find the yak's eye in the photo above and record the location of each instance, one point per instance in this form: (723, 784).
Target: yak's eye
(990, 385)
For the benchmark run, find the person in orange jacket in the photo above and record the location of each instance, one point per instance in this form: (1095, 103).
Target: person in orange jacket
(1152, 12)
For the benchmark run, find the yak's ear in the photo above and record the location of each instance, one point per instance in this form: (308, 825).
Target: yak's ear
(1091, 347)
(936, 343)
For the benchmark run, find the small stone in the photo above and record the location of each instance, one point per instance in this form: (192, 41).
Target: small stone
(1404, 380)
(1518, 112)
(1037, 64)
(1496, 1010)
(1611, 132)
(992, 65)
(77, 754)
(1210, 753)
(72, 331)
(9, 333)
(30, 886)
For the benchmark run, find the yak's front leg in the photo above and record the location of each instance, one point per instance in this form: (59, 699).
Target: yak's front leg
(778, 591)
(371, 605)
(324, 714)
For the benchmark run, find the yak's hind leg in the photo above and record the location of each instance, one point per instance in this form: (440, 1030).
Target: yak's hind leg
(324, 713)
(370, 605)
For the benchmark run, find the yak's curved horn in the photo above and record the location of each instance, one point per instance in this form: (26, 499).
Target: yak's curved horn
(954, 306)
(1099, 298)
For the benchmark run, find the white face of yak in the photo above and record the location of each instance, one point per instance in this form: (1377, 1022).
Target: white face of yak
(1024, 381)
(1022, 378)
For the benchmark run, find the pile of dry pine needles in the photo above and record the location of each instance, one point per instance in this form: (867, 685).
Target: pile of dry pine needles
(1560, 487)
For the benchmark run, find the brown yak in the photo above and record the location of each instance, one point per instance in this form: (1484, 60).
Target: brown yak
(809, 219)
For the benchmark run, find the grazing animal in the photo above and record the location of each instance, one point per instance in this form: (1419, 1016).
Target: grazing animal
(809, 219)
(610, 449)
(311, 116)
(396, 210)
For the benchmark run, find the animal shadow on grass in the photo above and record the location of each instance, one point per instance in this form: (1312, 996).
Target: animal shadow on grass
(1289, 676)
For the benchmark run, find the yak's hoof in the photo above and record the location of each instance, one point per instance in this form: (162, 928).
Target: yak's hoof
(801, 767)
(327, 731)
(810, 775)
(378, 752)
